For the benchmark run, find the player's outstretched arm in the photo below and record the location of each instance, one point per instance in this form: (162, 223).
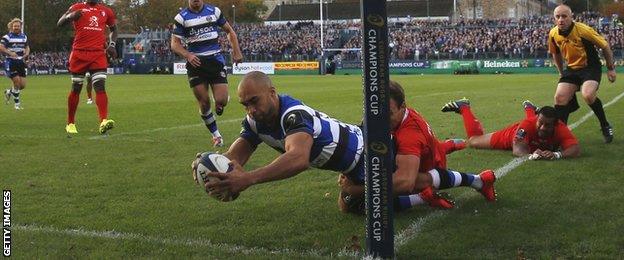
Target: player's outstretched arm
(237, 55)
(290, 163)
(69, 16)
(293, 161)
(240, 151)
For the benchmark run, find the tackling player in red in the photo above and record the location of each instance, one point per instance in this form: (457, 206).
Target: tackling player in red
(420, 161)
(540, 135)
(89, 50)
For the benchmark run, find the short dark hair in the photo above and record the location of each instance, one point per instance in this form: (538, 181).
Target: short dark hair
(397, 93)
(547, 111)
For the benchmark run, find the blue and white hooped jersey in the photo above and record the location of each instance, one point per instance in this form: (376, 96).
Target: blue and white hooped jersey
(200, 31)
(337, 146)
(16, 43)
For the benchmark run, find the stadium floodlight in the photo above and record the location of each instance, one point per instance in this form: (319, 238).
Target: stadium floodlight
(378, 156)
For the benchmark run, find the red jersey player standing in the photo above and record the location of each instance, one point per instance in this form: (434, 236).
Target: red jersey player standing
(540, 135)
(89, 50)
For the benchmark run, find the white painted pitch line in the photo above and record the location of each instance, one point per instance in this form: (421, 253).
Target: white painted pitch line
(160, 129)
(416, 226)
(176, 241)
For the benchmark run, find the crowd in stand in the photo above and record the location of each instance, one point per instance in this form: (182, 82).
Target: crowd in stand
(417, 40)
(45, 61)
(507, 38)
(295, 41)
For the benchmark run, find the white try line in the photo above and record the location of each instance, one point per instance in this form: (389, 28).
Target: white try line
(175, 241)
(416, 226)
(161, 129)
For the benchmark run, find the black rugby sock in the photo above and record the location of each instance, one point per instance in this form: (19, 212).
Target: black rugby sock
(562, 113)
(599, 111)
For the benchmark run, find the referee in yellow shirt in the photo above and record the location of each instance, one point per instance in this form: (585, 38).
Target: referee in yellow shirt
(576, 43)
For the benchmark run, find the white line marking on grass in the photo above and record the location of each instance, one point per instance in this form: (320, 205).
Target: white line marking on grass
(176, 241)
(160, 129)
(415, 227)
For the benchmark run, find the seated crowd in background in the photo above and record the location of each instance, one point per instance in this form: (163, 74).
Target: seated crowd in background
(416, 39)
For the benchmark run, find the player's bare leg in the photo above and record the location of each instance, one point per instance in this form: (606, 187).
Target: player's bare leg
(480, 141)
(589, 90)
(452, 145)
(221, 97)
(563, 95)
(474, 129)
(89, 90)
(203, 100)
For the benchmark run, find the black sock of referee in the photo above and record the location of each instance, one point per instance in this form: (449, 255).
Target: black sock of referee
(599, 111)
(562, 113)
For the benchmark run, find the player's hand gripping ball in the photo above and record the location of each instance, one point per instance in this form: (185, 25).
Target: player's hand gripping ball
(212, 162)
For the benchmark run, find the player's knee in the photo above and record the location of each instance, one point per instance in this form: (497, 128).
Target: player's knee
(98, 80)
(561, 99)
(220, 103)
(589, 96)
(77, 83)
(222, 100)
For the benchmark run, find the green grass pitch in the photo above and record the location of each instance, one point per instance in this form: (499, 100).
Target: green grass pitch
(131, 194)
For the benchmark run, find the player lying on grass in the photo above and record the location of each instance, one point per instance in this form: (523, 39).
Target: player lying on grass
(540, 135)
(420, 161)
(305, 138)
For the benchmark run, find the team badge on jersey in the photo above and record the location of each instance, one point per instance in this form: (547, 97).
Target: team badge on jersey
(93, 21)
(211, 18)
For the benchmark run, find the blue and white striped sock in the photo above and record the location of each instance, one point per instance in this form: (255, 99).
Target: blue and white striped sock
(444, 179)
(16, 95)
(407, 201)
(211, 123)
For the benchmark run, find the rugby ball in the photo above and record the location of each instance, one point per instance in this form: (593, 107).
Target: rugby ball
(212, 162)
